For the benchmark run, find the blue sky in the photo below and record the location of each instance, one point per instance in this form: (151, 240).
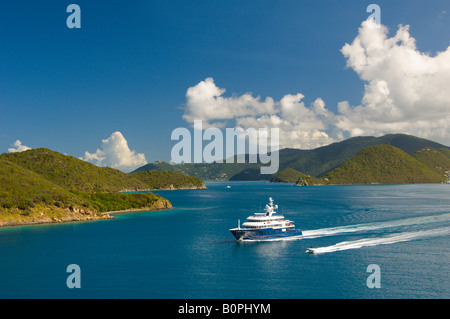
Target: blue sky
(130, 65)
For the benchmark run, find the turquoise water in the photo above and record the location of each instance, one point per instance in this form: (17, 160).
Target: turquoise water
(188, 252)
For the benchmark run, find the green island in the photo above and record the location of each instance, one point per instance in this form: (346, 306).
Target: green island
(43, 186)
(386, 164)
(379, 164)
(311, 162)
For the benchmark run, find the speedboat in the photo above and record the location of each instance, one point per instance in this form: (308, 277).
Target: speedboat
(267, 225)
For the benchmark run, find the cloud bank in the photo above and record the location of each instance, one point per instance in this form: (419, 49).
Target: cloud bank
(18, 147)
(406, 91)
(114, 152)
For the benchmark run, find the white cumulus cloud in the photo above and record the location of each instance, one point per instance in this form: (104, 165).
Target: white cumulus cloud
(300, 125)
(115, 152)
(405, 91)
(205, 102)
(18, 147)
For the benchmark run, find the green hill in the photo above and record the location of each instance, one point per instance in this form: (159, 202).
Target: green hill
(382, 164)
(22, 189)
(43, 186)
(434, 159)
(321, 160)
(315, 162)
(168, 180)
(445, 151)
(290, 175)
(73, 173)
(77, 175)
(28, 198)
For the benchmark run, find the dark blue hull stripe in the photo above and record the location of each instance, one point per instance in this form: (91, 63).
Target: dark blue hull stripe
(265, 233)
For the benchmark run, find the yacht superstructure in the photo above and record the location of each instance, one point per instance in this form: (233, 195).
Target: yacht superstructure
(266, 225)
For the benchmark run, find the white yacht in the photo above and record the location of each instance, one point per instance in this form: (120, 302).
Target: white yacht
(266, 226)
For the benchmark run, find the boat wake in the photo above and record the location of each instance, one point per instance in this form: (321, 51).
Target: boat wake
(374, 226)
(391, 239)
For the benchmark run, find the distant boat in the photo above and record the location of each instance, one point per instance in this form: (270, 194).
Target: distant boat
(266, 226)
(228, 186)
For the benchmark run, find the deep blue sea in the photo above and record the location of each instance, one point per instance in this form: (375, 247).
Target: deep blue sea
(188, 252)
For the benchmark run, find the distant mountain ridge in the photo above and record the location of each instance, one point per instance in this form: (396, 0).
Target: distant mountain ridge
(315, 162)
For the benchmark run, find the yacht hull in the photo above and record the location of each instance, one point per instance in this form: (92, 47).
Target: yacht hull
(264, 234)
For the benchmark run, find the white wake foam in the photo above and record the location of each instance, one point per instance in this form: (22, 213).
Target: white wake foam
(373, 226)
(391, 239)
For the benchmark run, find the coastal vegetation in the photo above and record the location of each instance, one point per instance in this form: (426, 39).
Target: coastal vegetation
(44, 186)
(110, 202)
(72, 173)
(437, 160)
(168, 180)
(290, 175)
(382, 164)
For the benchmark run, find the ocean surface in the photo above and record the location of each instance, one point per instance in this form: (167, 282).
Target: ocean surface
(188, 252)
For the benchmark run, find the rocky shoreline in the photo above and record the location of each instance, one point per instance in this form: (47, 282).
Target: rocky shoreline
(161, 204)
(170, 188)
(52, 215)
(53, 220)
